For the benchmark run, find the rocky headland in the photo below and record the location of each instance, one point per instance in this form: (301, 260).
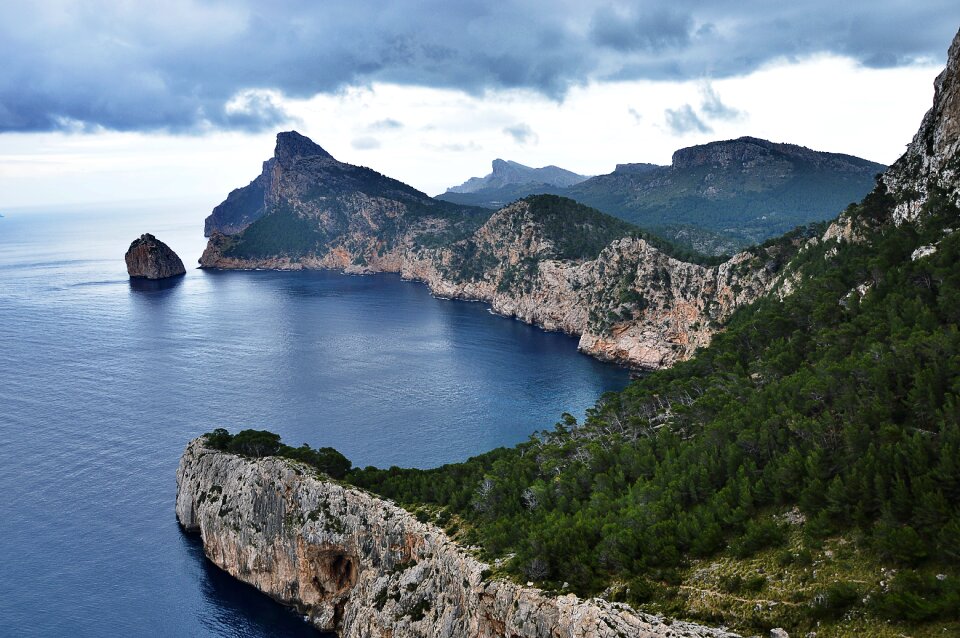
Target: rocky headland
(359, 565)
(545, 260)
(150, 258)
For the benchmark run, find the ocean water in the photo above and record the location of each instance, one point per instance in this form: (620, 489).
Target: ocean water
(103, 381)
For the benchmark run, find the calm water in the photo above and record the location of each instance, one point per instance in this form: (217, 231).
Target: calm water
(102, 383)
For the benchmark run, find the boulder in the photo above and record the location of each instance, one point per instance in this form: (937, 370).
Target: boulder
(150, 258)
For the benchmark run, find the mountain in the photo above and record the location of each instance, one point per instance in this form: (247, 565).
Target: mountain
(507, 173)
(798, 474)
(509, 181)
(715, 198)
(802, 472)
(544, 259)
(746, 189)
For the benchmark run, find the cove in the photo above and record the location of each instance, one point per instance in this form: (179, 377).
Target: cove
(102, 383)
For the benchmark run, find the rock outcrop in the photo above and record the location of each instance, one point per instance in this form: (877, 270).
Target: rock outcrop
(931, 161)
(150, 258)
(363, 567)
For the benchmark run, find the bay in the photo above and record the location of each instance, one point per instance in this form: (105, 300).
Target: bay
(103, 381)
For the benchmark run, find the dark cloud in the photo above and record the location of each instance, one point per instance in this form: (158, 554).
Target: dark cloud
(521, 133)
(654, 31)
(176, 65)
(684, 120)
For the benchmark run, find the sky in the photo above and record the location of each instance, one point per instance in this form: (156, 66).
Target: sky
(181, 99)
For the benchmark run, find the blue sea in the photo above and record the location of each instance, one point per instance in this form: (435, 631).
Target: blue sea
(103, 381)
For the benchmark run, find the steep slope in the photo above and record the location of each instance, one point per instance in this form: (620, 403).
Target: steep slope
(361, 566)
(801, 472)
(304, 198)
(931, 165)
(545, 260)
(747, 189)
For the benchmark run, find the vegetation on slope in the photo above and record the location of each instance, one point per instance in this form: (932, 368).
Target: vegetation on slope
(841, 405)
(260, 443)
(732, 194)
(747, 189)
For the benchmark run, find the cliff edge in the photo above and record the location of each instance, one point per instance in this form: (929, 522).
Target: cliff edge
(362, 567)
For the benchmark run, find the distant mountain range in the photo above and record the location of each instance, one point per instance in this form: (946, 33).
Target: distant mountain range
(715, 198)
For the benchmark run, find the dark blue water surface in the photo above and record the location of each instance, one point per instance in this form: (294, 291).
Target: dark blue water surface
(102, 383)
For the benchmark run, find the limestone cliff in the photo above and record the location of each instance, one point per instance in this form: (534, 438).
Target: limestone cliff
(931, 161)
(363, 567)
(150, 258)
(545, 260)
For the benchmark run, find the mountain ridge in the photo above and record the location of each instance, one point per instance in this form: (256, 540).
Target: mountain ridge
(508, 172)
(717, 197)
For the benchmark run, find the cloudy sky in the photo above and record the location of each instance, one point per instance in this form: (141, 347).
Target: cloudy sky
(115, 101)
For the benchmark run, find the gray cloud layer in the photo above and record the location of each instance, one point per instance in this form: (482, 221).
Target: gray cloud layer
(176, 65)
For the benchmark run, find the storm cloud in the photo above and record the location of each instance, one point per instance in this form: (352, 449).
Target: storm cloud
(189, 66)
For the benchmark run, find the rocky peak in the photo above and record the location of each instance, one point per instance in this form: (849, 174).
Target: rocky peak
(507, 173)
(292, 146)
(751, 150)
(931, 159)
(150, 258)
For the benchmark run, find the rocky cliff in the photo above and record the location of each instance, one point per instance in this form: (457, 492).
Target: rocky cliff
(931, 163)
(363, 567)
(545, 260)
(150, 258)
(551, 262)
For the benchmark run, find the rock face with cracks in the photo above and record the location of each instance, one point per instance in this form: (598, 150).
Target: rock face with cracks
(932, 160)
(359, 565)
(150, 258)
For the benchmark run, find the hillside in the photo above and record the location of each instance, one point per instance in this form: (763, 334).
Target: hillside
(747, 189)
(801, 472)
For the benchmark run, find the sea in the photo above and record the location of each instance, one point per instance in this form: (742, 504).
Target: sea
(104, 380)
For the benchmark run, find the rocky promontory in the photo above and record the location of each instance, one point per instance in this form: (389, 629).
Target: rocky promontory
(150, 258)
(359, 565)
(545, 259)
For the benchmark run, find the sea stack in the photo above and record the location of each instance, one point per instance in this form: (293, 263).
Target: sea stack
(150, 258)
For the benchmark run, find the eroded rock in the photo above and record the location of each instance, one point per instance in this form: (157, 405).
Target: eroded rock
(150, 258)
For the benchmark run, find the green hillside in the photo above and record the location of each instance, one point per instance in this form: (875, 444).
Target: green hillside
(803, 472)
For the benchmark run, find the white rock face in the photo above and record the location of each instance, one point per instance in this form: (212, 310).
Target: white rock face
(931, 161)
(363, 567)
(922, 251)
